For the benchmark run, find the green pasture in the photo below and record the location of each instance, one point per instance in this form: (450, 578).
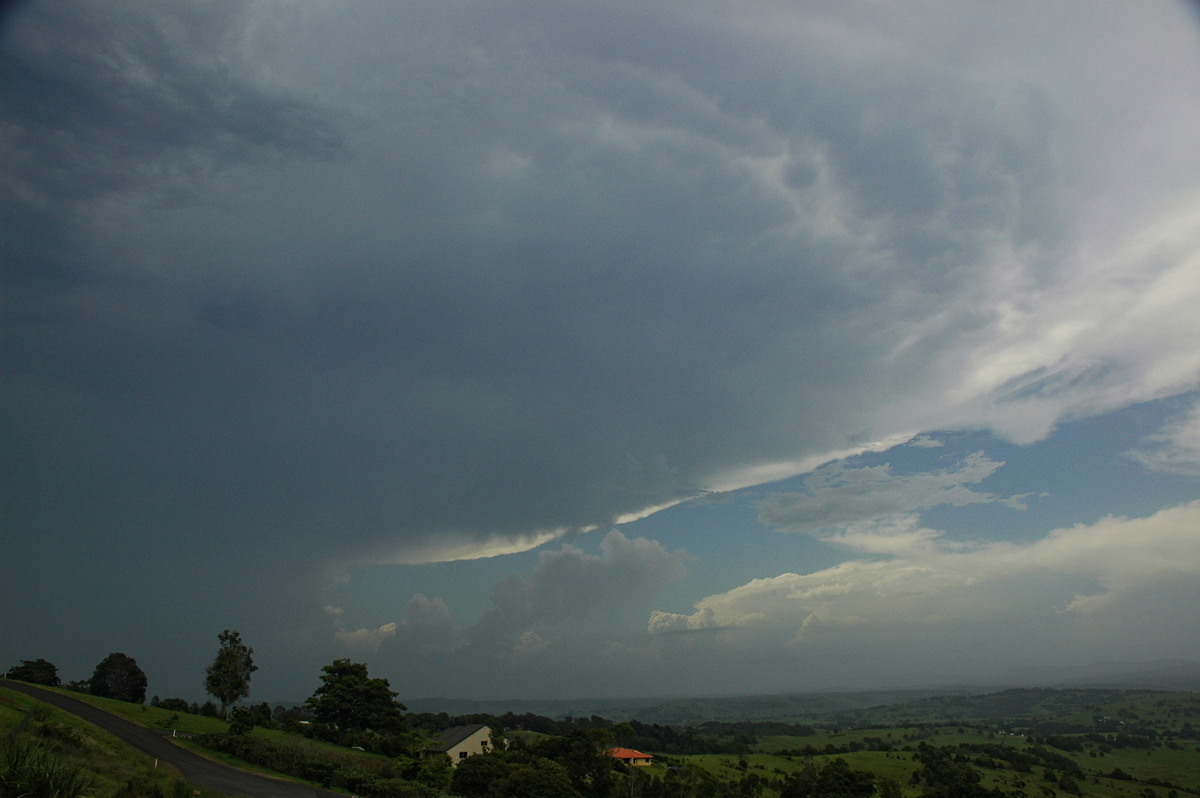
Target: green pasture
(897, 737)
(1175, 762)
(1161, 711)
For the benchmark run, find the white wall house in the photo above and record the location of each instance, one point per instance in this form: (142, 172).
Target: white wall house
(463, 741)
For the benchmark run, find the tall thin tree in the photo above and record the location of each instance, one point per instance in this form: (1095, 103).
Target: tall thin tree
(228, 678)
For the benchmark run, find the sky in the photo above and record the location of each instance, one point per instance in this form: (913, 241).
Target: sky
(558, 349)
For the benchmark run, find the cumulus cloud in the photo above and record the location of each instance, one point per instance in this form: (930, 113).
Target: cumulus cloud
(359, 640)
(837, 494)
(426, 627)
(569, 585)
(925, 585)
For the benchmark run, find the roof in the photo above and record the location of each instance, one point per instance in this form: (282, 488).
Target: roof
(628, 753)
(454, 736)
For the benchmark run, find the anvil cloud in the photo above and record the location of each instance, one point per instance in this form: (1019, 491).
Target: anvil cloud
(360, 326)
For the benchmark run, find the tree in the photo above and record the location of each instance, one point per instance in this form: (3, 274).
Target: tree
(37, 671)
(835, 780)
(545, 779)
(581, 752)
(241, 721)
(228, 678)
(474, 775)
(118, 676)
(502, 774)
(349, 699)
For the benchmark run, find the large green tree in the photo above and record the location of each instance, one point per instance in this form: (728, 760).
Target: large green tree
(37, 671)
(228, 678)
(350, 699)
(118, 676)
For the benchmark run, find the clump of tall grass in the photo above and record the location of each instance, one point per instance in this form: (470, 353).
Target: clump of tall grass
(31, 770)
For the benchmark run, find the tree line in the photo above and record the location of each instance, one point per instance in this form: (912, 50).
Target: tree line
(118, 676)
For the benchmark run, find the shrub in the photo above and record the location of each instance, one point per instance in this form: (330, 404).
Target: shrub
(58, 733)
(139, 787)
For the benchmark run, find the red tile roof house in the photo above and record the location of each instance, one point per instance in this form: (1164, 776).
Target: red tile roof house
(463, 741)
(631, 757)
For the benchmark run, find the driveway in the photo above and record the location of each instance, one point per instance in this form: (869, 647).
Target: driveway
(201, 772)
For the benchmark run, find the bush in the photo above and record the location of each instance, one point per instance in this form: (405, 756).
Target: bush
(173, 704)
(241, 721)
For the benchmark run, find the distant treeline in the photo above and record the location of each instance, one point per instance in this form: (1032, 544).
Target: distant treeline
(713, 737)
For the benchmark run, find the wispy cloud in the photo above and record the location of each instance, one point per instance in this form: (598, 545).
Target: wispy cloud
(837, 494)
(1176, 447)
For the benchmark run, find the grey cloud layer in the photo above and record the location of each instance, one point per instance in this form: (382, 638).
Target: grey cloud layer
(420, 275)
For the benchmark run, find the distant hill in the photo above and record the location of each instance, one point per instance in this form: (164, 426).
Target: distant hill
(811, 707)
(1158, 675)
(792, 707)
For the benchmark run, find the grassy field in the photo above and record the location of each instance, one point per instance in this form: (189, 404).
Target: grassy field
(114, 764)
(60, 741)
(1174, 768)
(187, 725)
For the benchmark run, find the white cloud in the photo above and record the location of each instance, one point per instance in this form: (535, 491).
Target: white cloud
(451, 547)
(1112, 327)
(895, 535)
(927, 584)
(674, 622)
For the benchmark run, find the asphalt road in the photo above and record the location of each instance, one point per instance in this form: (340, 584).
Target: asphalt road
(201, 772)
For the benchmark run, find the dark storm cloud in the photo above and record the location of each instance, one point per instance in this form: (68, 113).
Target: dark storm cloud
(393, 282)
(110, 100)
(290, 287)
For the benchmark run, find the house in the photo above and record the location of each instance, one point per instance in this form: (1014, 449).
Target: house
(461, 742)
(631, 757)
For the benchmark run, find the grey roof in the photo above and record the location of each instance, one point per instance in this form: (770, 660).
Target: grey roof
(454, 736)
